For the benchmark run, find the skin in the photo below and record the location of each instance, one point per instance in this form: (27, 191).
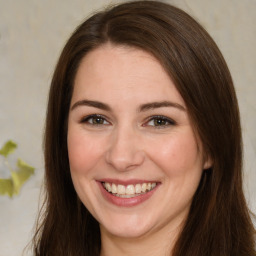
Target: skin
(127, 144)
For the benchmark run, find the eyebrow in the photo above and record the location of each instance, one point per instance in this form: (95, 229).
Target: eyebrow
(142, 108)
(160, 104)
(91, 103)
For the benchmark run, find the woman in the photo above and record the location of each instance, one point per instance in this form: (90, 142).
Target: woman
(143, 141)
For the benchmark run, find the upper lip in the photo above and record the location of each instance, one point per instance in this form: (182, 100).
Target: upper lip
(127, 182)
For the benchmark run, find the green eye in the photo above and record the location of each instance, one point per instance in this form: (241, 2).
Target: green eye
(160, 121)
(95, 120)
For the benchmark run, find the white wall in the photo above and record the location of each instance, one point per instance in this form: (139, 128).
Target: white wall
(32, 34)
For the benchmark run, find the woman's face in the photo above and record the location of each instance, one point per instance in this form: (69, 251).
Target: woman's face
(134, 159)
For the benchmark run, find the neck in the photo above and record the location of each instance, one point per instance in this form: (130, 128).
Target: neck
(159, 243)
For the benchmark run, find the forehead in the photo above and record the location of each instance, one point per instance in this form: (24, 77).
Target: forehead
(111, 61)
(120, 71)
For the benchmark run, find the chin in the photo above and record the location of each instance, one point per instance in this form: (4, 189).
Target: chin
(130, 227)
(124, 232)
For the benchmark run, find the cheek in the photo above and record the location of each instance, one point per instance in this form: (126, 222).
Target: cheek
(83, 152)
(178, 154)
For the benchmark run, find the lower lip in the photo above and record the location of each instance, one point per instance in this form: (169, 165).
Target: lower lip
(126, 202)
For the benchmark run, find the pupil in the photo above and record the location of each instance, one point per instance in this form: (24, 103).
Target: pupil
(159, 122)
(97, 120)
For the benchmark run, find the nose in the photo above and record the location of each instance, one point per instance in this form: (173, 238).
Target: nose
(125, 151)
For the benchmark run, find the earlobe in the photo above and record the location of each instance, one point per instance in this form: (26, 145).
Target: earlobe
(207, 163)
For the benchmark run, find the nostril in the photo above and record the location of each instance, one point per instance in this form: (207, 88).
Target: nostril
(125, 160)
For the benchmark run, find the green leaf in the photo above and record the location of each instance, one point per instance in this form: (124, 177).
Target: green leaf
(8, 148)
(6, 187)
(19, 177)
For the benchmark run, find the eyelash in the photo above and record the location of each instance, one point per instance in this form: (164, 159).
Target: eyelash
(154, 119)
(167, 121)
(94, 116)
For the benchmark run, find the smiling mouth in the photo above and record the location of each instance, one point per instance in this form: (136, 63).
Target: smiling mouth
(128, 191)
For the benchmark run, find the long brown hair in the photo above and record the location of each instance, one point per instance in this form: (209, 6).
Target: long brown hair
(219, 221)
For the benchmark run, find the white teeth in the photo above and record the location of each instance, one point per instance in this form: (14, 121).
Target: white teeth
(120, 189)
(114, 188)
(144, 187)
(108, 187)
(137, 188)
(129, 190)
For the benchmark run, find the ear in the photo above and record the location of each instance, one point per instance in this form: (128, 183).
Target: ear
(207, 162)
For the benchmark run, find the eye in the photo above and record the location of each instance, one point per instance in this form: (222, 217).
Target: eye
(160, 122)
(95, 120)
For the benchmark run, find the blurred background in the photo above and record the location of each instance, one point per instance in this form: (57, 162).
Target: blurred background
(32, 34)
